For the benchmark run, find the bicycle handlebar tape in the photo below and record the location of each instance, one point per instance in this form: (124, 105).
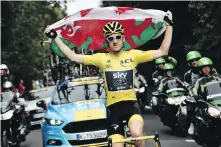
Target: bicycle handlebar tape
(157, 139)
(109, 142)
(52, 34)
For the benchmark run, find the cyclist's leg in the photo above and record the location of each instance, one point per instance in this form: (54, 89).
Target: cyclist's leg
(136, 124)
(115, 127)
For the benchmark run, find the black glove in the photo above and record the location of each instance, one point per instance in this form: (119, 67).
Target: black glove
(52, 34)
(168, 19)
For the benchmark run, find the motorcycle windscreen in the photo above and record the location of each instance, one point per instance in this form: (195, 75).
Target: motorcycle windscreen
(6, 101)
(212, 93)
(174, 89)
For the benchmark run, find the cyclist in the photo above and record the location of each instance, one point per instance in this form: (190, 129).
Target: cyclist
(118, 72)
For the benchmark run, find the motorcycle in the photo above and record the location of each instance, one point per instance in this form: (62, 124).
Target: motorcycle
(155, 102)
(140, 93)
(155, 99)
(173, 112)
(207, 123)
(11, 118)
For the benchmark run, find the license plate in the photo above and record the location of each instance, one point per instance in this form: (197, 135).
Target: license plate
(38, 115)
(92, 135)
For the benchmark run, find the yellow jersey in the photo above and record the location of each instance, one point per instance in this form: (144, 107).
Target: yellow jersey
(118, 72)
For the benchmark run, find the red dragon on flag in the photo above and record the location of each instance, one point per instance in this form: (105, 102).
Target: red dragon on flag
(84, 28)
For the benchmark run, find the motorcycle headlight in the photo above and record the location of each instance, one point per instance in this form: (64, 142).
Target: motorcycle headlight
(213, 112)
(7, 115)
(171, 101)
(142, 90)
(52, 122)
(180, 100)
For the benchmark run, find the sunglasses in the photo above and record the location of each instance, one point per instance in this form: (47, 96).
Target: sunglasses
(193, 60)
(119, 37)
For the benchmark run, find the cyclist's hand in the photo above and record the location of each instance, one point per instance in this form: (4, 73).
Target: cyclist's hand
(51, 33)
(168, 19)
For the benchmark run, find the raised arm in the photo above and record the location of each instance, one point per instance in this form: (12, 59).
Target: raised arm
(71, 55)
(145, 56)
(164, 48)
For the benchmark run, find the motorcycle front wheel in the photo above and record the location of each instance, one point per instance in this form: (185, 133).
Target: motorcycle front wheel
(142, 106)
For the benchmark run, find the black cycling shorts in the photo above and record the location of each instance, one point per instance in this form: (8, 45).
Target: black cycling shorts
(119, 112)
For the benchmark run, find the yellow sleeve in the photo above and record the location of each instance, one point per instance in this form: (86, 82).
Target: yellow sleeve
(94, 59)
(142, 56)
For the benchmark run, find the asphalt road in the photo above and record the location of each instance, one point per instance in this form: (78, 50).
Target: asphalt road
(152, 124)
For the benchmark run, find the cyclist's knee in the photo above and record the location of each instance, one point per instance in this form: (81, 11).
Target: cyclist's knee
(136, 131)
(136, 125)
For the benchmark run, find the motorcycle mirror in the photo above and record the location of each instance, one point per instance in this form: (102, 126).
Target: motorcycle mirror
(41, 104)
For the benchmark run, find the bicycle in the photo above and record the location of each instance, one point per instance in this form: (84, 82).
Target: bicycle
(130, 142)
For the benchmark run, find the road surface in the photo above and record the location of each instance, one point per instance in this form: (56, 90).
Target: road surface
(152, 124)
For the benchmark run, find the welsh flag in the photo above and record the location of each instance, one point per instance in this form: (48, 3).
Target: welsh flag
(84, 29)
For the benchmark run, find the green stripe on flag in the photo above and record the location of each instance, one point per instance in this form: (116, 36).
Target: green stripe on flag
(147, 34)
(87, 43)
(56, 49)
(137, 23)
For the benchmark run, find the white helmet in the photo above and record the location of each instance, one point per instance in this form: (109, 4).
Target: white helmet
(7, 85)
(3, 66)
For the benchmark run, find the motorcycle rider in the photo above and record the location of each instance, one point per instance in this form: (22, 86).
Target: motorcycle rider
(4, 73)
(191, 76)
(158, 74)
(169, 81)
(205, 66)
(140, 82)
(8, 87)
(118, 67)
(159, 63)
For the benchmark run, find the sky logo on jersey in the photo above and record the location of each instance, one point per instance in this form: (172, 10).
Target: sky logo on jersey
(119, 75)
(119, 80)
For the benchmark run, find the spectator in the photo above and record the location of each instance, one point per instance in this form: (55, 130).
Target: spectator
(37, 84)
(41, 84)
(21, 87)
